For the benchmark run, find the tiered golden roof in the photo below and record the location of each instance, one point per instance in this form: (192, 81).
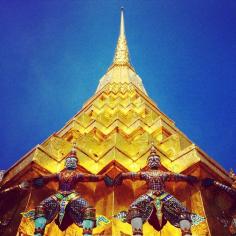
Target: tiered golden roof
(113, 132)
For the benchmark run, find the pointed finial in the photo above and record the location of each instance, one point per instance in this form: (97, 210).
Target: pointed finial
(122, 23)
(122, 53)
(121, 70)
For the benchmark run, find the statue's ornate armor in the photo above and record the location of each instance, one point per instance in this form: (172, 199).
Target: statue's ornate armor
(67, 203)
(157, 206)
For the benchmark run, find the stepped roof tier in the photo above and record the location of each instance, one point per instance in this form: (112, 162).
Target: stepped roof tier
(113, 132)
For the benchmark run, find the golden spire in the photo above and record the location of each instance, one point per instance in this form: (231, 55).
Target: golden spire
(121, 70)
(122, 52)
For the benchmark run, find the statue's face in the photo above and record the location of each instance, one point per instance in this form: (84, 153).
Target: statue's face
(154, 162)
(71, 163)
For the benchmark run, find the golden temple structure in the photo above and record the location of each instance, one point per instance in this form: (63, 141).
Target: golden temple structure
(113, 132)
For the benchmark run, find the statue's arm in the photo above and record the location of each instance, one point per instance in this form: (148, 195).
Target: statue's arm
(90, 178)
(128, 175)
(225, 188)
(95, 178)
(131, 175)
(211, 182)
(23, 185)
(35, 182)
(170, 176)
(42, 180)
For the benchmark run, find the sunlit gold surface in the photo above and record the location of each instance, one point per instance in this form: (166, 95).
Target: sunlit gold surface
(113, 132)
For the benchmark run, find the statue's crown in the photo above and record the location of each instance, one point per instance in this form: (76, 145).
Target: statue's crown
(153, 152)
(72, 153)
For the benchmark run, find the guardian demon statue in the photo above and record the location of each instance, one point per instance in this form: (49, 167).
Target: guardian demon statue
(66, 206)
(157, 206)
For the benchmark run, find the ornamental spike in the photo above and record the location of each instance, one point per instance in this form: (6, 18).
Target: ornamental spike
(72, 153)
(122, 53)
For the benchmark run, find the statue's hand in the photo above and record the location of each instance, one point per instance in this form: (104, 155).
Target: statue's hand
(108, 181)
(24, 185)
(38, 182)
(118, 179)
(207, 182)
(192, 179)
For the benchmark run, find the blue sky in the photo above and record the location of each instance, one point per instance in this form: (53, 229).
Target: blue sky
(53, 53)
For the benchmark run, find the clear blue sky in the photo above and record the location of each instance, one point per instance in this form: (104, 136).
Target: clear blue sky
(53, 53)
